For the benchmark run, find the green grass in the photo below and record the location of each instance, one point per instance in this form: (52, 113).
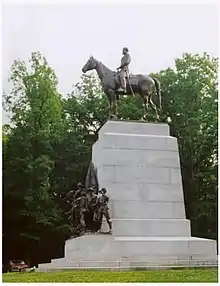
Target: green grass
(183, 275)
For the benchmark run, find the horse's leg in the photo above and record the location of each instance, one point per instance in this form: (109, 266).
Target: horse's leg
(110, 113)
(109, 106)
(146, 105)
(114, 106)
(145, 98)
(153, 106)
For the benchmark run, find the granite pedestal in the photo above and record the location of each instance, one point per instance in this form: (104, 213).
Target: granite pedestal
(139, 165)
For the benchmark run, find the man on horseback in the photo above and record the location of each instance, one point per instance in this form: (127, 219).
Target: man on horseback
(143, 85)
(125, 61)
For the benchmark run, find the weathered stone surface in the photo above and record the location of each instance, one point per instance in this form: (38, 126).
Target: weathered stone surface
(135, 127)
(147, 210)
(152, 227)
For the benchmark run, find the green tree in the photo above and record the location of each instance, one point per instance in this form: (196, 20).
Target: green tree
(36, 114)
(6, 128)
(190, 99)
(84, 112)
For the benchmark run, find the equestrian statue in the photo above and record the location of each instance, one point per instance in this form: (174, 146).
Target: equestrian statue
(120, 82)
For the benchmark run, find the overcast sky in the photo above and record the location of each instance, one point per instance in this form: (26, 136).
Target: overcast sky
(67, 34)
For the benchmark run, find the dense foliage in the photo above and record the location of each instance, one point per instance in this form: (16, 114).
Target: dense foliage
(47, 148)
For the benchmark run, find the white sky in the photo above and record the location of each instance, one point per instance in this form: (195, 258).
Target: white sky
(66, 35)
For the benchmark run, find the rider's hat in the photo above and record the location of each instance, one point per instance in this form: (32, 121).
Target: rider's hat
(126, 49)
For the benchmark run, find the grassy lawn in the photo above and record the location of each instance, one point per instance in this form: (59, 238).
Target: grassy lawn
(183, 275)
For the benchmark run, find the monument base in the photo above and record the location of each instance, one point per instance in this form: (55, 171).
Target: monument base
(105, 251)
(138, 164)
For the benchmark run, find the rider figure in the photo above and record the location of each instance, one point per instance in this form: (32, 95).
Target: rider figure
(125, 61)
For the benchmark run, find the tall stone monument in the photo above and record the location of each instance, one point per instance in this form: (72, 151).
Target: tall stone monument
(139, 165)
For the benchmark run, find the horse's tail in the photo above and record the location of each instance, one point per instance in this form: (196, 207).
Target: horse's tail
(157, 85)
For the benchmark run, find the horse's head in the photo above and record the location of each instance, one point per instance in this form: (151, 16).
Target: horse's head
(90, 65)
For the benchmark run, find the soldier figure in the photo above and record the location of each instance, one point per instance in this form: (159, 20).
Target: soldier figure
(125, 61)
(70, 196)
(93, 201)
(78, 191)
(78, 212)
(103, 209)
(83, 208)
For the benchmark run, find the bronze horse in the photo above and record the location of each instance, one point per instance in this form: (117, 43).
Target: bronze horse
(143, 85)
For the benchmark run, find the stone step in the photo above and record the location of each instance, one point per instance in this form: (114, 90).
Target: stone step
(145, 192)
(123, 265)
(107, 251)
(137, 142)
(99, 246)
(147, 210)
(150, 227)
(135, 127)
(139, 175)
(167, 246)
(140, 158)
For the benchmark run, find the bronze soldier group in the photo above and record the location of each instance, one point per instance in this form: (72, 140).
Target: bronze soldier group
(88, 203)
